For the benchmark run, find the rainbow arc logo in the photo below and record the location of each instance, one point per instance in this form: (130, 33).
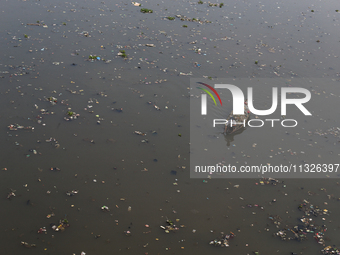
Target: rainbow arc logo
(204, 97)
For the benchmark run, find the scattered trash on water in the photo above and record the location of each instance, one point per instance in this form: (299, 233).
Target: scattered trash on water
(299, 232)
(27, 245)
(11, 194)
(223, 241)
(61, 226)
(105, 208)
(42, 230)
(71, 193)
(15, 127)
(169, 227)
(139, 133)
(50, 215)
(329, 250)
(153, 62)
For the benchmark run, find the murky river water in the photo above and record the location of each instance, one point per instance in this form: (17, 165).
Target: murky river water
(46, 48)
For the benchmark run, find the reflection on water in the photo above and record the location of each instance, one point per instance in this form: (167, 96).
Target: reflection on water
(229, 138)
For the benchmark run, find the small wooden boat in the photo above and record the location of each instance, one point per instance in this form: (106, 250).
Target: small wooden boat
(237, 122)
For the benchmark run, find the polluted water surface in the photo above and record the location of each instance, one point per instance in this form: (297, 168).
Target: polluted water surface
(95, 121)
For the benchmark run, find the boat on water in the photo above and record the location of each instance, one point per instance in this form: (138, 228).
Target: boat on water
(237, 122)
